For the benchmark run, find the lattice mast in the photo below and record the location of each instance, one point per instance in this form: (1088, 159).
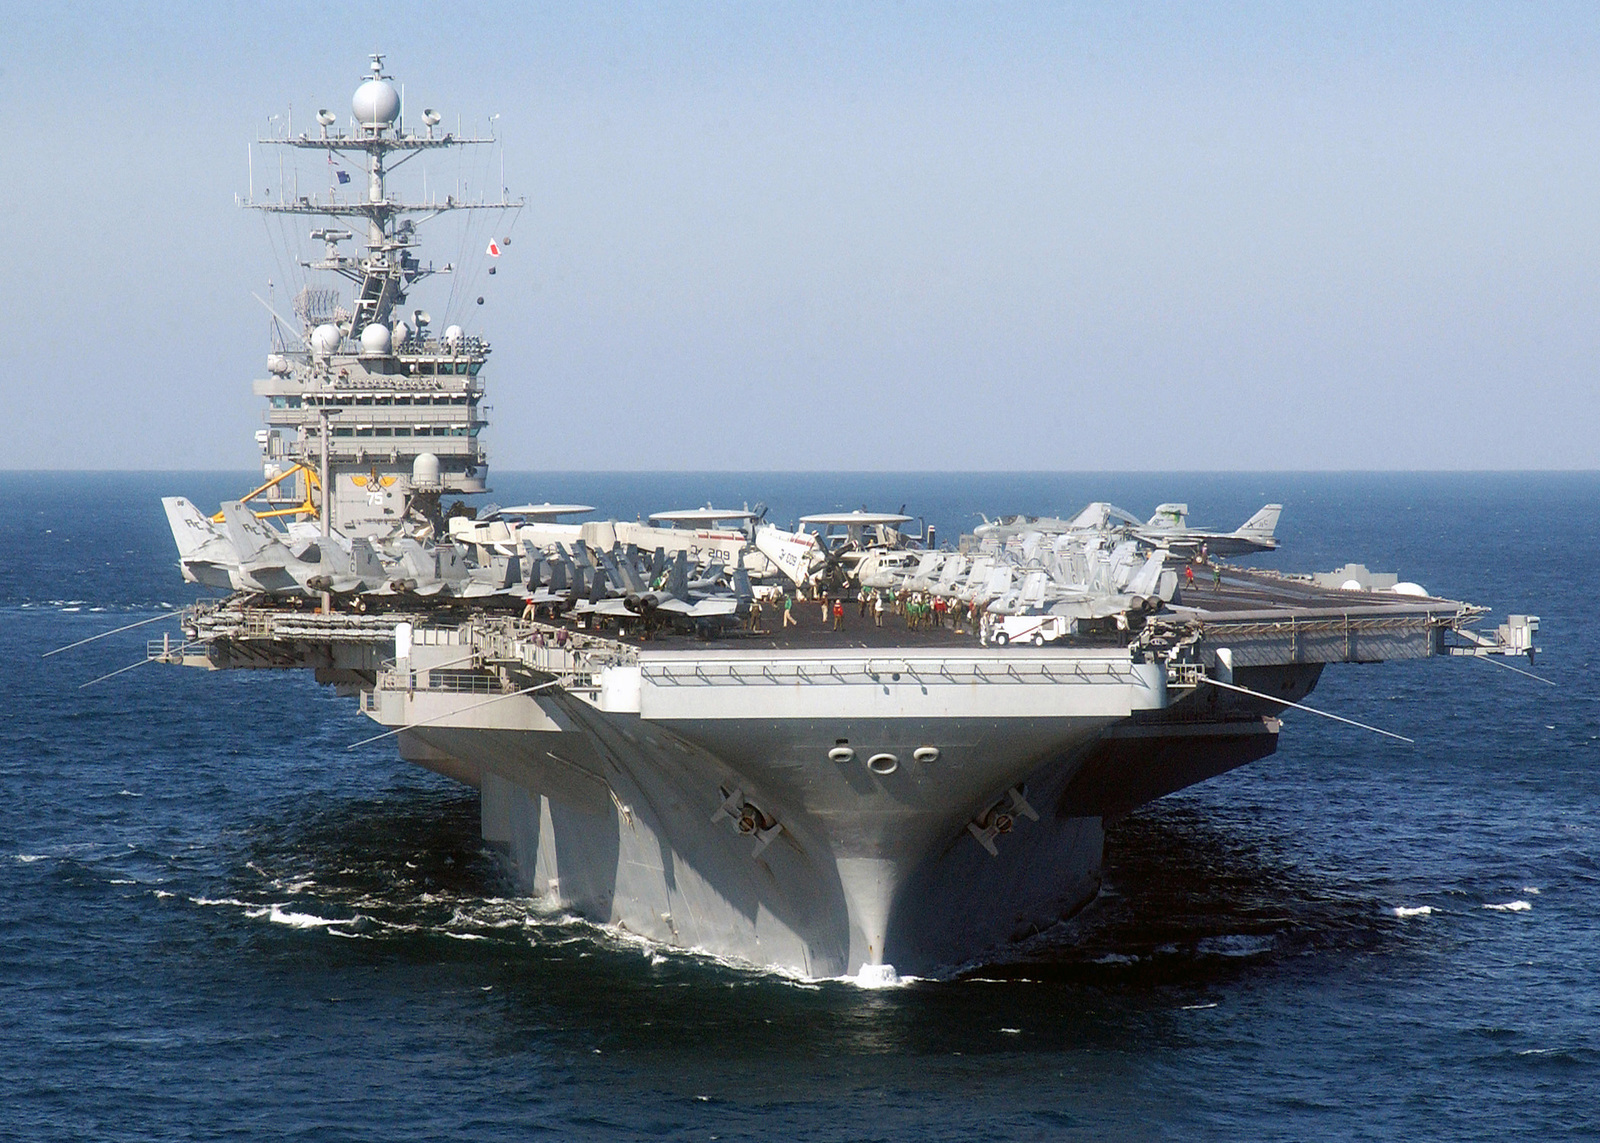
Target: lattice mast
(393, 409)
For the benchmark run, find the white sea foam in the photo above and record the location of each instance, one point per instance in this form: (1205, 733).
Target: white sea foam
(1116, 958)
(214, 901)
(1012, 1031)
(1413, 910)
(280, 916)
(1197, 1007)
(465, 936)
(1534, 889)
(30, 858)
(1511, 907)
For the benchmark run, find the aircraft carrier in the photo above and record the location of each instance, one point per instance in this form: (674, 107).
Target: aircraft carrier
(831, 797)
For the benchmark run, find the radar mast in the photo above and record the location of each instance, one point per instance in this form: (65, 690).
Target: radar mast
(365, 399)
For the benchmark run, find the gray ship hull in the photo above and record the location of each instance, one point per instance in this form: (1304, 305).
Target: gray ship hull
(913, 813)
(827, 808)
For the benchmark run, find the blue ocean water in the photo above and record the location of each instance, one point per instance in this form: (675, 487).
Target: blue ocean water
(216, 920)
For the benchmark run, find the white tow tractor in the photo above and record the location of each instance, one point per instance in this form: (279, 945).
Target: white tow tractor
(1002, 630)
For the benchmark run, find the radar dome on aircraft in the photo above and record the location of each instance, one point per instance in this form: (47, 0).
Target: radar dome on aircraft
(376, 104)
(425, 472)
(375, 339)
(325, 338)
(452, 335)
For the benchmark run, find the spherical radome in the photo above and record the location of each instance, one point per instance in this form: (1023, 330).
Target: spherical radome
(1351, 585)
(325, 338)
(375, 338)
(376, 104)
(425, 471)
(1406, 587)
(452, 335)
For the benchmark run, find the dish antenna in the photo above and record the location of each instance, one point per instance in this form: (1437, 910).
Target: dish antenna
(326, 118)
(431, 118)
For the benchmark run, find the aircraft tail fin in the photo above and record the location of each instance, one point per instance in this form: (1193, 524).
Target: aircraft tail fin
(191, 531)
(1147, 580)
(742, 590)
(364, 560)
(1262, 525)
(249, 536)
(626, 572)
(1175, 516)
(678, 577)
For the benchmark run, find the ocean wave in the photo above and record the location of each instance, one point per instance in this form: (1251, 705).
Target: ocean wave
(1234, 945)
(1511, 907)
(278, 915)
(1413, 910)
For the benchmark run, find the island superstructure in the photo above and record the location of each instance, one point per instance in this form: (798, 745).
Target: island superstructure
(829, 797)
(363, 389)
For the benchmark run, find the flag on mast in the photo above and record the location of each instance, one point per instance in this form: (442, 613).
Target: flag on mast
(494, 248)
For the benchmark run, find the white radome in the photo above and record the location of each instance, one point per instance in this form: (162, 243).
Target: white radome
(376, 104)
(1351, 585)
(1406, 587)
(452, 335)
(325, 338)
(375, 338)
(425, 472)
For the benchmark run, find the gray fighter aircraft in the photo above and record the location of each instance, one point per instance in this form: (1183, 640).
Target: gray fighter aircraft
(1169, 527)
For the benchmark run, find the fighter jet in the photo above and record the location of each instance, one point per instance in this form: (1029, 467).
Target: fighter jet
(680, 599)
(204, 554)
(280, 564)
(1169, 527)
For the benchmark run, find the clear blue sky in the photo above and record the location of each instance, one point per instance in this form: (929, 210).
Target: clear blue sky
(875, 236)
